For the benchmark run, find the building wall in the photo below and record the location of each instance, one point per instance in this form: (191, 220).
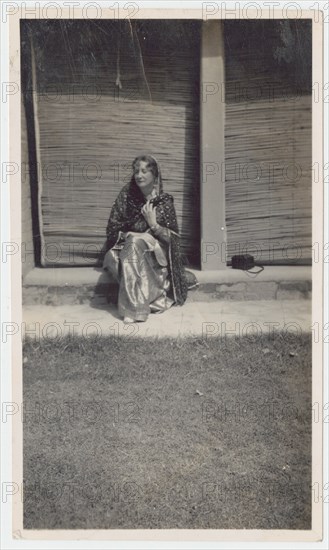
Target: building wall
(86, 120)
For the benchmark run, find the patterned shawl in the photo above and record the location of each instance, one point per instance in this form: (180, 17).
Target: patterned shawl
(126, 216)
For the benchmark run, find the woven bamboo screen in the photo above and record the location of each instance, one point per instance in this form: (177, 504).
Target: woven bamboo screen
(268, 179)
(100, 103)
(268, 148)
(91, 129)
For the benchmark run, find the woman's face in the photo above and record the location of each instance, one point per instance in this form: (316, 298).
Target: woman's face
(143, 175)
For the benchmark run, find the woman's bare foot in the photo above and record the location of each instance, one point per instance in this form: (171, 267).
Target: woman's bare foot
(127, 320)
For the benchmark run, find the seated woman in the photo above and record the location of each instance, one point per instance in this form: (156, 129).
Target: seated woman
(143, 248)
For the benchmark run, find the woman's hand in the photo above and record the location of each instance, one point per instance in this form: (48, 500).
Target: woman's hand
(149, 213)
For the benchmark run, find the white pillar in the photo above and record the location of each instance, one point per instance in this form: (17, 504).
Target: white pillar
(212, 115)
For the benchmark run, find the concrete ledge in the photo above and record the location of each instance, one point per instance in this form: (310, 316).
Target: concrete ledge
(60, 286)
(65, 276)
(71, 276)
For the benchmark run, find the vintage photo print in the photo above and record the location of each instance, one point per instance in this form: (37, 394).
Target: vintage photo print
(166, 252)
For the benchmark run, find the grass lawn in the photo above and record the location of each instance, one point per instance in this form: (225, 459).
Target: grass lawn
(123, 433)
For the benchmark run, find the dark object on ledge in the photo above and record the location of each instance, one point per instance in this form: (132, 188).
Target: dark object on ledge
(245, 262)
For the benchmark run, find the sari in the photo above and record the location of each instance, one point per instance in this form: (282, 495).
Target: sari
(147, 264)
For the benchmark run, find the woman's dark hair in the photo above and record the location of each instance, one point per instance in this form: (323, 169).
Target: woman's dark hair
(151, 163)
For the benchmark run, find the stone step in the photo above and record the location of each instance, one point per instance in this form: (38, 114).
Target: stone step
(61, 286)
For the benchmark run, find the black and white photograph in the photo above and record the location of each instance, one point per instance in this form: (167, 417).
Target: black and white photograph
(168, 249)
